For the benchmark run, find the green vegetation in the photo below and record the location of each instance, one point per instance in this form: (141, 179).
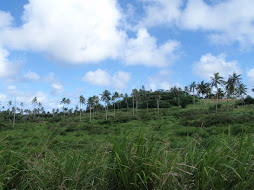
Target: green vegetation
(151, 140)
(174, 149)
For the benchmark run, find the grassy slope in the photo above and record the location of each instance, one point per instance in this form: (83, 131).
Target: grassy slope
(178, 149)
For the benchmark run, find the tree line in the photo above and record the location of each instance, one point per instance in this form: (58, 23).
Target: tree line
(229, 89)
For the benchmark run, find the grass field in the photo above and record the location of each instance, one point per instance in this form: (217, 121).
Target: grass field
(176, 149)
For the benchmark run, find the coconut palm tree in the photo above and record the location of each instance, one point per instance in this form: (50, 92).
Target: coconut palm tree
(126, 100)
(241, 91)
(158, 98)
(90, 103)
(63, 102)
(82, 101)
(21, 110)
(34, 102)
(192, 89)
(133, 98)
(68, 101)
(9, 105)
(147, 98)
(202, 88)
(217, 80)
(235, 81)
(106, 98)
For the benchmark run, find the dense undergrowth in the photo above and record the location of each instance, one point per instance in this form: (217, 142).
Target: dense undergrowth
(177, 149)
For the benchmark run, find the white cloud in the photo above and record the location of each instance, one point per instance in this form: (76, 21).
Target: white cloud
(250, 75)
(144, 50)
(8, 69)
(56, 85)
(72, 31)
(57, 88)
(98, 77)
(162, 80)
(119, 80)
(209, 64)
(227, 21)
(31, 76)
(160, 12)
(5, 19)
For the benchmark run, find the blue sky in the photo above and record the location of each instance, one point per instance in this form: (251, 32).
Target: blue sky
(64, 48)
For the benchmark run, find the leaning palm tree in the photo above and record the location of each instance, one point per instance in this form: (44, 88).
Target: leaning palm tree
(192, 89)
(34, 102)
(82, 101)
(217, 80)
(234, 83)
(203, 88)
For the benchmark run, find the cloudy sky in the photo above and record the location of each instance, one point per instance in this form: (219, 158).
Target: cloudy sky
(52, 49)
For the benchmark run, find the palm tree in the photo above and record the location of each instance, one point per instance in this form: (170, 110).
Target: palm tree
(63, 101)
(242, 90)
(133, 97)
(106, 98)
(234, 83)
(21, 105)
(215, 81)
(90, 103)
(126, 100)
(186, 90)
(158, 98)
(113, 98)
(34, 102)
(202, 88)
(192, 89)
(147, 98)
(82, 101)
(9, 104)
(68, 101)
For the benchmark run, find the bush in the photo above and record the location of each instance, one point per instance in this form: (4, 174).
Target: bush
(249, 100)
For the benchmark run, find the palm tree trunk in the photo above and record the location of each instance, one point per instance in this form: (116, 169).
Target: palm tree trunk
(194, 99)
(80, 111)
(217, 97)
(146, 106)
(158, 106)
(136, 106)
(205, 105)
(114, 110)
(90, 115)
(133, 104)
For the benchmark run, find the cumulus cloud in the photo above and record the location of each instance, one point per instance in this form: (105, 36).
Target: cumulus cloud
(145, 51)
(227, 21)
(160, 12)
(250, 75)
(72, 31)
(8, 69)
(118, 80)
(82, 32)
(209, 64)
(161, 80)
(31, 76)
(56, 85)
(5, 19)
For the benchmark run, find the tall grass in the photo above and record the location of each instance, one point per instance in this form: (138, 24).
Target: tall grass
(134, 162)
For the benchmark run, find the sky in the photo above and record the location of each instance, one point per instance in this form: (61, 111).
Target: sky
(51, 49)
